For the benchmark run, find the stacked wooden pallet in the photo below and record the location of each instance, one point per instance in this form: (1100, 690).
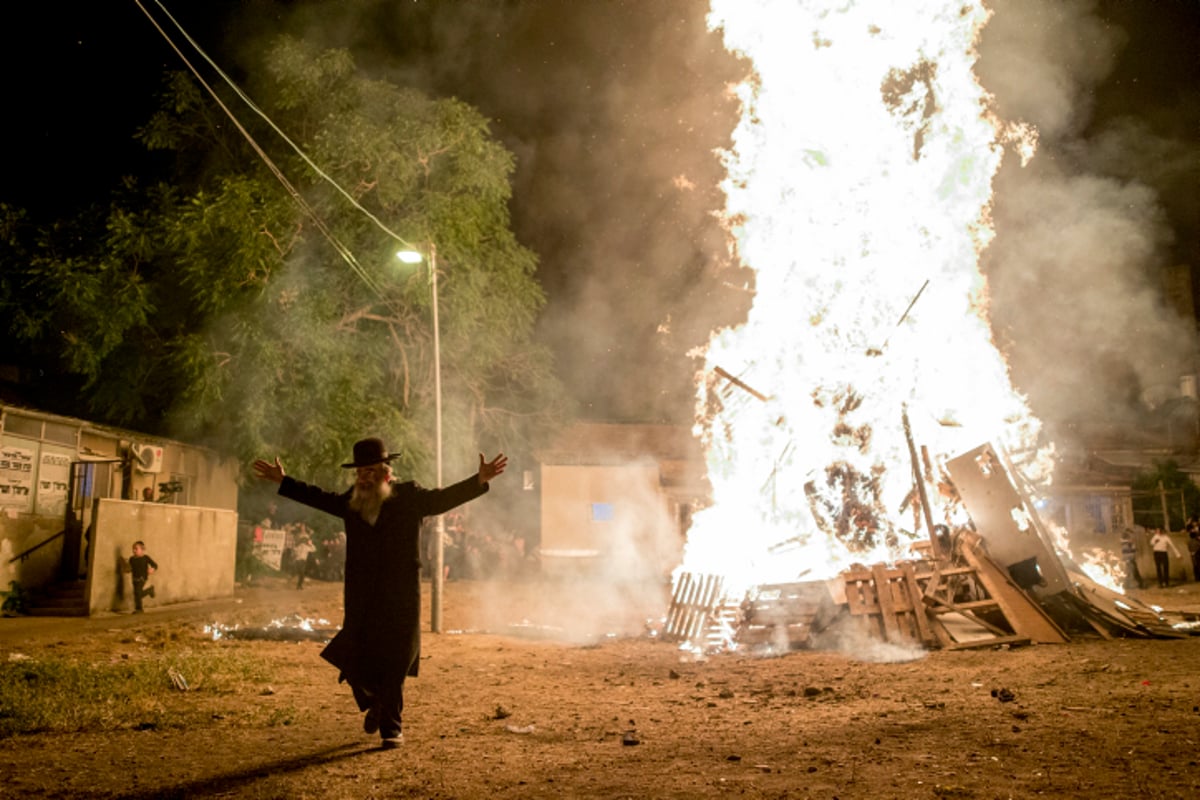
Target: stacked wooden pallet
(889, 601)
(785, 616)
(964, 600)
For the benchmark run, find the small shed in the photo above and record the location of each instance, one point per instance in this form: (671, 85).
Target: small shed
(617, 499)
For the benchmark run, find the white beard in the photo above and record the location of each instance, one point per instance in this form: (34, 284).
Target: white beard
(367, 502)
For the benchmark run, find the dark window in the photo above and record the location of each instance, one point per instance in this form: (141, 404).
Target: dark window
(22, 426)
(63, 434)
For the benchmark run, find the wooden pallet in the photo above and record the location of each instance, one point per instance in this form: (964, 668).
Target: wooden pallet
(981, 592)
(889, 601)
(962, 614)
(696, 606)
(785, 615)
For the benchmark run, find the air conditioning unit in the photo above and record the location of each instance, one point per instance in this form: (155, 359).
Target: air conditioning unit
(147, 457)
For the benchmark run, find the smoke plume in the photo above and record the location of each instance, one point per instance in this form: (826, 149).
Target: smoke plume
(615, 111)
(1084, 258)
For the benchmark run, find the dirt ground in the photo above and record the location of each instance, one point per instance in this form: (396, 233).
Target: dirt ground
(516, 705)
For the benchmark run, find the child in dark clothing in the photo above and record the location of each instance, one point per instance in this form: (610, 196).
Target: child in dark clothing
(1133, 577)
(141, 565)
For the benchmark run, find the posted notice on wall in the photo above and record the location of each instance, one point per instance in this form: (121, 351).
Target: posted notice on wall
(269, 549)
(16, 478)
(54, 472)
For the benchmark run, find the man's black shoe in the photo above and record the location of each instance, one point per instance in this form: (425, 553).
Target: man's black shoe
(371, 720)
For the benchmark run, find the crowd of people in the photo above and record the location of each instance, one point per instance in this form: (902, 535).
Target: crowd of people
(306, 555)
(469, 554)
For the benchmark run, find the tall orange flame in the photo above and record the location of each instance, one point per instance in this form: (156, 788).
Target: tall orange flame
(858, 188)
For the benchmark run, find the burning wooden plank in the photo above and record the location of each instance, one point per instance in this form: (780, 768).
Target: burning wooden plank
(1003, 517)
(738, 382)
(1045, 595)
(1113, 613)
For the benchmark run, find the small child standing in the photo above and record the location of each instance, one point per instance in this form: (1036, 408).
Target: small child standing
(1133, 576)
(141, 565)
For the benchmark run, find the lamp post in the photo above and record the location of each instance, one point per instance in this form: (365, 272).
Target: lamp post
(435, 611)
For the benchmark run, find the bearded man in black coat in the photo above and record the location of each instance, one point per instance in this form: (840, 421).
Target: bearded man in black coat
(379, 644)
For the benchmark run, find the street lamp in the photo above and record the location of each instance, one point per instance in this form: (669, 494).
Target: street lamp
(435, 611)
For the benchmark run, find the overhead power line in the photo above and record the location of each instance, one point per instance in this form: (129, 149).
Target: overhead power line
(295, 194)
(300, 152)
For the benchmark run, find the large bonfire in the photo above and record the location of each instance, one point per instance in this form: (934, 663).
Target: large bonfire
(858, 190)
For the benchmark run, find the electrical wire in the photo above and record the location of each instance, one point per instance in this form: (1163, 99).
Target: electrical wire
(300, 152)
(341, 249)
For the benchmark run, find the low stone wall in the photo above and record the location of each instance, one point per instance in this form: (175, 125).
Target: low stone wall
(195, 549)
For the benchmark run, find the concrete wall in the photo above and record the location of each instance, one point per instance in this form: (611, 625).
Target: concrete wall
(195, 549)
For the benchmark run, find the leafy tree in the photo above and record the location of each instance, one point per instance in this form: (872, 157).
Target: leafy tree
(225, 307)
(1177, 486)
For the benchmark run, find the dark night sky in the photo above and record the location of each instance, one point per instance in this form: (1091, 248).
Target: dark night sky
(605, 103)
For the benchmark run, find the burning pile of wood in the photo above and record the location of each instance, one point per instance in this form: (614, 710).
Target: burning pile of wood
(996, 581)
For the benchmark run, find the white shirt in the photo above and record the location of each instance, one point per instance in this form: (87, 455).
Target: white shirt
(1160, 542)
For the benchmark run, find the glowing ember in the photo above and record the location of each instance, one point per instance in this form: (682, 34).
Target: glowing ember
(293, 628)
(858, 189)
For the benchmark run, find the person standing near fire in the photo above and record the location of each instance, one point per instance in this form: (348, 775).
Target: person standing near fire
(1160, 543)
(380, 641)
(1133, 575)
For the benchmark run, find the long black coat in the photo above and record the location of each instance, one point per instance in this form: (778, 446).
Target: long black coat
(380, 640)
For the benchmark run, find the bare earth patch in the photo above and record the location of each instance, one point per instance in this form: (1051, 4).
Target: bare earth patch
(514, 701)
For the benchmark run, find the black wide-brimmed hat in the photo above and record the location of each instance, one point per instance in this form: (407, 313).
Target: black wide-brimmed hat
(369, 452)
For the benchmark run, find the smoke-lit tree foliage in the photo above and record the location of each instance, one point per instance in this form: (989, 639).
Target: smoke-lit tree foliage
(214, 308)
